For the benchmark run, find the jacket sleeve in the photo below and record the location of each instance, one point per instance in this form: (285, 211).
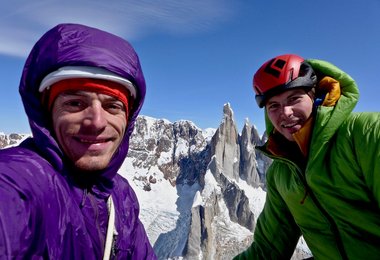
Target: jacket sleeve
(18, 220)
(366, 143)
(276, 233)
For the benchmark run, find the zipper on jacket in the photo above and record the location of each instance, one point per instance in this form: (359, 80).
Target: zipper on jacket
(333, 226)
(94, 206)
(308, 191)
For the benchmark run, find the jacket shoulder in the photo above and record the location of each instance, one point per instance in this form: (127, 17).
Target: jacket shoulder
(22, 163)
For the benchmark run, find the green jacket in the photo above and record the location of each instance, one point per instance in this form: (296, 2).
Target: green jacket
(333, 200)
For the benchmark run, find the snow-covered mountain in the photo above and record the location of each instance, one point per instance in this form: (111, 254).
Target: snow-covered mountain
(8, 140)
(200, 191)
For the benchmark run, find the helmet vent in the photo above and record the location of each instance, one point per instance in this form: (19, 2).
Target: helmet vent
(272, 70)
(303, 70)
(280, 63)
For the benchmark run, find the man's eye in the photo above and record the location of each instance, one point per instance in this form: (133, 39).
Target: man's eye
(114, 107)
(294, 99)
(272, 107)
(74, 105)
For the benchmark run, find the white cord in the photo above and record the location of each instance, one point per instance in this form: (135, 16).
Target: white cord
(110, 229)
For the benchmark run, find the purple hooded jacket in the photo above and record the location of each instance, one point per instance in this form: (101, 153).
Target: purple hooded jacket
(47, 210)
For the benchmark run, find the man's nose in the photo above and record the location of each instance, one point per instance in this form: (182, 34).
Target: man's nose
(95, 116)
(287, 110)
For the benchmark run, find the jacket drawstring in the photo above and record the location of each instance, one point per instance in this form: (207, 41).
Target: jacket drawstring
(84, 197)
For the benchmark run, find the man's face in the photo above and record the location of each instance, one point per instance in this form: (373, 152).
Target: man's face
(89, 127)
(289, 111)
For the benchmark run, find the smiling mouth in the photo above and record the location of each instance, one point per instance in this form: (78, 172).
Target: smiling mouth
(289, 125)
(91, 141)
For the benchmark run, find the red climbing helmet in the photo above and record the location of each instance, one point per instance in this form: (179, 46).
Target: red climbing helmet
(281, 73)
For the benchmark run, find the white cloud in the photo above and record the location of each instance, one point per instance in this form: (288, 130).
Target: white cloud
(23, 22)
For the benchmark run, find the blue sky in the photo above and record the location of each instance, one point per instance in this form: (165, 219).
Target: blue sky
(198, 55)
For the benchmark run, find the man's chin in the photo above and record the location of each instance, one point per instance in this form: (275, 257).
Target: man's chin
(91, 165)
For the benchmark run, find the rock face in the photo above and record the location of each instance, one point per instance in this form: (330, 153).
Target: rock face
(232, 157)
(179, 149)
(225, 145)
(248, 169)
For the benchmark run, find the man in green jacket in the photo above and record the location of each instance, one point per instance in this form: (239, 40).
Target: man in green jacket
(324, 182)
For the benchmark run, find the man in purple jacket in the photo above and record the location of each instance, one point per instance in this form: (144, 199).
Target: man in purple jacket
(60, 194)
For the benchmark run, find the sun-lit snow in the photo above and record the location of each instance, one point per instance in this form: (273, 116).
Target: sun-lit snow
(211, 185)
(164, 210)
(182, 148)
(256, 197)
(208, 133)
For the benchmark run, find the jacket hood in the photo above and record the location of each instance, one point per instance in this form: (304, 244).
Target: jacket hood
(77, 45)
